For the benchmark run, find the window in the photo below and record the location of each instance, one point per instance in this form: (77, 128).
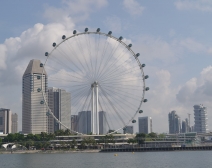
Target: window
(1, 121)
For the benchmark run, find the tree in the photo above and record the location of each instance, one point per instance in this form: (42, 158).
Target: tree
(140, 138)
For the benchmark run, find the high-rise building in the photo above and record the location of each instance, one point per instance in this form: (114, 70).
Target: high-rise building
(102, 122)
(5, 121)
(174, 123)
(14, 123)
(59, 101)
(145, 125)
(185, 126)
(74, 123)
(200, 119)
(84, 122)
(34, 118)
(128, 130)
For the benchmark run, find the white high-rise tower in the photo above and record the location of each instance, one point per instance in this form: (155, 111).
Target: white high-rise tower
(34, 118)
(200, 119)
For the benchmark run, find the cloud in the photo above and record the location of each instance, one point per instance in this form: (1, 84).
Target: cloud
(192, 45)
(201, 5)
(113, 23)
(75, 10)
(133, 7)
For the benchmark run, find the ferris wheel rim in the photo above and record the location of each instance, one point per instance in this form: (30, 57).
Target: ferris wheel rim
(114, 38)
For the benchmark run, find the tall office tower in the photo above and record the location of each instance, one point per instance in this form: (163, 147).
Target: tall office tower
(200, 119)
(185, 126)
(34, 118)
(5, 121)
(59, 102)
(84, 122)
(74, 123)
(128, 130)
(14, 123)
(102, 122)
(145, 125)
(174, 123)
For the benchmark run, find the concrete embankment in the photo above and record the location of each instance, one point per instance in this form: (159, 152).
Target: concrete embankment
(155, 149)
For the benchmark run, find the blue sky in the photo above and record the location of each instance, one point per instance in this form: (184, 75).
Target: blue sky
(172, 36)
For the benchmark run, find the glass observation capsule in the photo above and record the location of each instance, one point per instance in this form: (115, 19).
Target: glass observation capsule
(140, 111)
(120, 38)
(42, 102)
(38, 89)
(63, 37)
(147, 88)
(145, 100)
(143, 65)
(133, 121)
(98, 30)
(46, 53)
(74, 32)
(54, 44)
(86, 29)
(146, 77)
(130, 45)
(38, 77)
(137, 55)
(110, 32)
(41, 65)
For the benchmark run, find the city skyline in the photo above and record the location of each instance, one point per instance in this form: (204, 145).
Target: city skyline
(176, 48)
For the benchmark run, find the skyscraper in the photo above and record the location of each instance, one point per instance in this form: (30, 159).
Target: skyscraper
(84, 122)
(200, 119)
(5, 121)
(34, 119)
(74, 123)
(145, 125)
(102, 122)
(14, 123)
(59, 102)
(174, 123)
(128, 130)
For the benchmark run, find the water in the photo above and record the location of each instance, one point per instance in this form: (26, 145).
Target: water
(186, 159)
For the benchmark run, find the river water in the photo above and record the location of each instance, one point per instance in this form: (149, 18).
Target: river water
(185, 159)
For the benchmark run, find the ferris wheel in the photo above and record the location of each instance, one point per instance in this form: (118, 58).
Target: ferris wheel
(104, 77)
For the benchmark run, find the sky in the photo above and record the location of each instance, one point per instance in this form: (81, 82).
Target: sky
(173, 38)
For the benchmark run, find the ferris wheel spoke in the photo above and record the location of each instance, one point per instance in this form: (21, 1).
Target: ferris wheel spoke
(120, 111)
(82, 52)
(108, 59)
(79, 61)
(114, 108)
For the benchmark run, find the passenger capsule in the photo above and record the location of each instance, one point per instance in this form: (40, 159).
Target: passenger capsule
(110, 32)
(47, 113)
(46, 53)
(143, 65)
(120, 38)
(146, 77)
(38, 89)
(74, 32)
(145, 100)
(98, 30)
(41, 102)
(86, 29)
(147, 88)
(41, 65)
(130, 45)
(140, 111)
(63, 37)
(54, 44)
(137, 55)
(38, 77)
(133, 121)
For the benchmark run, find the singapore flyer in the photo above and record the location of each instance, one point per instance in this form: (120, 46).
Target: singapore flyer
(104, 77)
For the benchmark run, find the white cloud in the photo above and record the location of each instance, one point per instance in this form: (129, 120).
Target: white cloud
(201, 5)
(192, 45)
(75, 10)
(133, 7)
